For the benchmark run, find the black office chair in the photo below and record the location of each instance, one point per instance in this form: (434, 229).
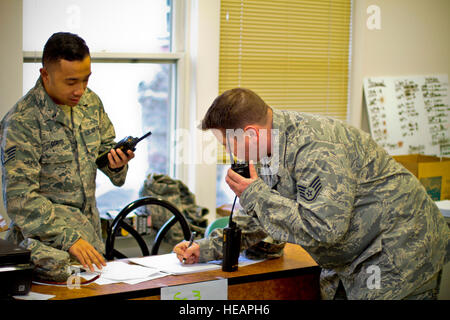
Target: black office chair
(119, 222)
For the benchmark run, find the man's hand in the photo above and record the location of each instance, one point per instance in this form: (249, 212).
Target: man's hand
(238, 183)
(183, 251)
(118, 159)
(86, 254)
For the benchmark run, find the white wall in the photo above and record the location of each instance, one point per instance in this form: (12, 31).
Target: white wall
(203, 79)
(414, 39)
(10, 59)
(11, 54)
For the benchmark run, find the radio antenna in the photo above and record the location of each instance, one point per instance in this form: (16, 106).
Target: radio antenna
(229, 149)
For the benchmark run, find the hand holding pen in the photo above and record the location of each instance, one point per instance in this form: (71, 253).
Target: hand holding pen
(190, 243)
(188, 252)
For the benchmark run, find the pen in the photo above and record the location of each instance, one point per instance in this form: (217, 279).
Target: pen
(190, 242)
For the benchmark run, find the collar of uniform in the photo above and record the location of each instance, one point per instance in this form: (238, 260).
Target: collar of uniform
(266, 161)
(267, 173)
(270, 166)
(48, 107)
(278, 135)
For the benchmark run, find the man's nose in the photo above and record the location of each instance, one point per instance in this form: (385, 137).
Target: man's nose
(79, 90)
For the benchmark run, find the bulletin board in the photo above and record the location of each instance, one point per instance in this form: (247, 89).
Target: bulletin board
(409, 114)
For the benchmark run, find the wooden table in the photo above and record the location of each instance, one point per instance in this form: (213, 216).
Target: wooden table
(291, 277)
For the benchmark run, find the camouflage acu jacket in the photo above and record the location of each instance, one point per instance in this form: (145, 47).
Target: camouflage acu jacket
(49, 175)
(350, 205)
(179, 195)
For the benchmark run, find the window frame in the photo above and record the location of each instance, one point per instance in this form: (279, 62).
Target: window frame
(197, 22)
(176, 57)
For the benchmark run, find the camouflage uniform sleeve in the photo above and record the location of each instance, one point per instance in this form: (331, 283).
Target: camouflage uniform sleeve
(252, 233)
(33, 213)
(320, 209)
(107, 134)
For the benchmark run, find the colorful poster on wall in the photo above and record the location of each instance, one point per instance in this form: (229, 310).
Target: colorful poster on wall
(409, 114)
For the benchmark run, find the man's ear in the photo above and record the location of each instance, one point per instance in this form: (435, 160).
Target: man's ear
(251, 132)
(44, 74)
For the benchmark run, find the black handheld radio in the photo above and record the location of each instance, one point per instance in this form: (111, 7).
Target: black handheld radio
(231, 244)
(232, 233)
(241, 168)
(127, 143)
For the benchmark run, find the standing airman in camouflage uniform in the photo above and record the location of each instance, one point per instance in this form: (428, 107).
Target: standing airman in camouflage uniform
(365, 219)
(49, 143)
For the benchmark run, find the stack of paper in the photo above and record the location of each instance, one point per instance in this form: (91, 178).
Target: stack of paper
(117, 271)
(152, 267)
(34, 296)
(169, 263)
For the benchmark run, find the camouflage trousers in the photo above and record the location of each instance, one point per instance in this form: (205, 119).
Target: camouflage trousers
(428, 291)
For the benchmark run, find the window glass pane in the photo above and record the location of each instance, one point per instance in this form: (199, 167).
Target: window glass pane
(224, 195)
(105, 25)
(137, 98)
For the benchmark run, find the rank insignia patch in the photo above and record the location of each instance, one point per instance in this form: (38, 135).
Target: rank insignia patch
(310, 193)
(9, 154)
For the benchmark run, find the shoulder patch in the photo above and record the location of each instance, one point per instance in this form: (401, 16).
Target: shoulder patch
(310, 193)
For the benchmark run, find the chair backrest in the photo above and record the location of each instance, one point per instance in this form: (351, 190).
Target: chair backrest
(217, 224)
(119, 222)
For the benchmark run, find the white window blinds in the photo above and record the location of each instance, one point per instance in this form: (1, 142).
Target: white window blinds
(293, 53)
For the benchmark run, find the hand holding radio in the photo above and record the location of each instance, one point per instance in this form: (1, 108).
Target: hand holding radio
(118, 158)
(237, 182)
(240, 175)
(121, 153)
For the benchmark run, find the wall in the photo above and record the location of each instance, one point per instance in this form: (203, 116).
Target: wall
(10, 60)
(203, 78)
(413, 39)
(11, 54)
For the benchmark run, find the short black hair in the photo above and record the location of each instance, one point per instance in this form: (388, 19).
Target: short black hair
(64, 45)
(235, 108)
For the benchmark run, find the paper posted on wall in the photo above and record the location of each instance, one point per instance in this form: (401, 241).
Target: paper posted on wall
(409, 114)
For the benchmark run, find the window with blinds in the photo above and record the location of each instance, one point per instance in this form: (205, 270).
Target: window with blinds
(293, 53)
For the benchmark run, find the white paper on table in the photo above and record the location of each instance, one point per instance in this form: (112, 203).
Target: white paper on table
(444, 206)
(156, 275)
(169, 263)
(34, 296)
(242, 262)
(102, 281)
(118, 271)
